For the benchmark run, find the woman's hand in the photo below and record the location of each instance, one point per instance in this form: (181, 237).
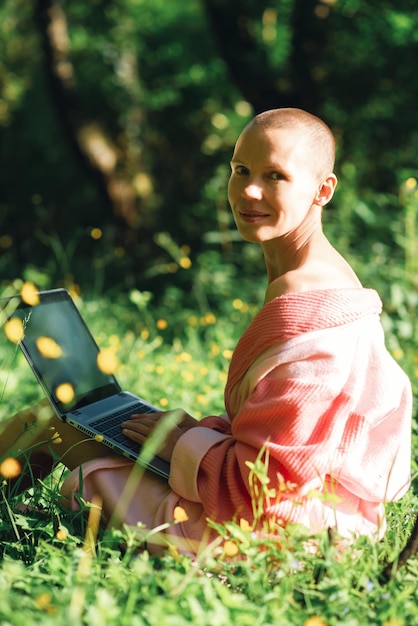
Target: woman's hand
(140, 427)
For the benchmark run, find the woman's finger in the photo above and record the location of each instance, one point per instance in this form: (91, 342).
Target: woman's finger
(146, 418)
(136, 430)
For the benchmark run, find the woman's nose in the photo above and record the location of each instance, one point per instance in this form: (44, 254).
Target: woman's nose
(252, 191)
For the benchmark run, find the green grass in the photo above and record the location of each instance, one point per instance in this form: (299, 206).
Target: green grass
(50, 575)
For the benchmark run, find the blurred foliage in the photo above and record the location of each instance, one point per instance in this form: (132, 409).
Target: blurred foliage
(118, 118)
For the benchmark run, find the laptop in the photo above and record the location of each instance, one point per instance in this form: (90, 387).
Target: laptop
(63, 355)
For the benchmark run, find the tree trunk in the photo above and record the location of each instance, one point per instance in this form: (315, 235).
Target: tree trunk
(97, 154)
(250, 67)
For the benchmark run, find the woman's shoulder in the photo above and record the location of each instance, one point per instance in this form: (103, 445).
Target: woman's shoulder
(313, 278)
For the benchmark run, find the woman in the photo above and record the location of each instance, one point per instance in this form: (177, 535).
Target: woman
(310, 383)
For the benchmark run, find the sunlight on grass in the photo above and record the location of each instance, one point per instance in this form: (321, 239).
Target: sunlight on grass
(63, 568)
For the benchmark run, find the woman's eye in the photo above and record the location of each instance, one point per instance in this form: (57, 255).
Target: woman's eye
(276, 176)
(241, 170)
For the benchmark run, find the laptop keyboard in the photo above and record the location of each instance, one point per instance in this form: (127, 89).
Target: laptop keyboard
(110, 426)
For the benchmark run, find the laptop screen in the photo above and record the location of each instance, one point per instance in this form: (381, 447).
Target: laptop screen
(63, 353)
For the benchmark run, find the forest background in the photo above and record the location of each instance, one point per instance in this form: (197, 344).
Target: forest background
(118, 120)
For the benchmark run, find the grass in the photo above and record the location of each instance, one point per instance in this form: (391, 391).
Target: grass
(54, 571)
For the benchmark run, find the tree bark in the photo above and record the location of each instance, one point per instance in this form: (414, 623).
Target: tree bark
(96, 153)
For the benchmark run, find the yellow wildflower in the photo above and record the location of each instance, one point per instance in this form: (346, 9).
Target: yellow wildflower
(96, 233)
(162, 324)
(14, 330)
(10, 468)
(180, 514)
(56, 438)
(65, 393)
(107, 361)
(244, 525)
(62, 534)
(411, 183)
(185, 262)
(114, 341)
(209, 319)
(48, 347)
(237, 303)
(29, 294)
(230, 548)
(44, 603)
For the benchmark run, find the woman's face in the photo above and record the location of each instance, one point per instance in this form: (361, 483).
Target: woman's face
(272, 184)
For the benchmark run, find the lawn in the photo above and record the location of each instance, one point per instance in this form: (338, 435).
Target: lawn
(54, 570)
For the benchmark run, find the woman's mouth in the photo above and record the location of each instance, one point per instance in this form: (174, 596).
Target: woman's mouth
(251, 216)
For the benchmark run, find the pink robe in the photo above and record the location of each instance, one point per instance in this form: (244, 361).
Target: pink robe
(310, 381)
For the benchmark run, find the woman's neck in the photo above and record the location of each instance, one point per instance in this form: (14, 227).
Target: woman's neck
(292, 251)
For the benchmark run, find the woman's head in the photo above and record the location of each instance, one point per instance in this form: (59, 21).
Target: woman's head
(281, 173)
(318, 139)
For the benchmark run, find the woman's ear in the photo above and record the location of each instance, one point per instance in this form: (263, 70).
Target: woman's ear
(326, 190)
